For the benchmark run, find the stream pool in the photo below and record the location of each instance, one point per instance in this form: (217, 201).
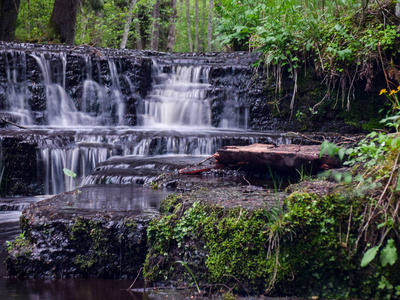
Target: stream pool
(71, 289)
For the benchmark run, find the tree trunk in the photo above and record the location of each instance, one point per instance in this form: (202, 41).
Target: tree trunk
(138, 36)
(8, 19)
(197, 25)
(156, 26)
(127, 25)
(203, 21)
(209, 33)
(172, 25)
(63, 21)
(188, 25)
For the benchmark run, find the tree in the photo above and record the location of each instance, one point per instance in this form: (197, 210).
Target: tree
(155, 34)
(62, 23)
(138, 36)
(188, 25)
(172, 25)
(8, 19)
(203, 17)
(209, 33)
(197, 25)
(127, 24)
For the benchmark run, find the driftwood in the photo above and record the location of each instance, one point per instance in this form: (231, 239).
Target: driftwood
(199, 168)
(12, 123)
(286, 158)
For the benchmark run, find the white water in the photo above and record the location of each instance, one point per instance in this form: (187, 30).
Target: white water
(100, 104)
(178, 102)
(17, 90)
(178, 98)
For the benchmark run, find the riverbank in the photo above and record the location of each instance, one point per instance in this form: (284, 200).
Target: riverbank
(239, 238)
(262, 242)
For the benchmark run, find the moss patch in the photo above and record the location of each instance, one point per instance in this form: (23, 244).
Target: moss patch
(305, 245)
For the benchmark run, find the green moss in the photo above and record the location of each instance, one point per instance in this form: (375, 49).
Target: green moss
(21, 247)
(231, 242)
(99, 246)
(130, 223)
(304, 247)
(170, 202)
(372, 124)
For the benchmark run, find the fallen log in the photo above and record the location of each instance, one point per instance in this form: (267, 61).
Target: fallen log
(285, 158)
(199, 169)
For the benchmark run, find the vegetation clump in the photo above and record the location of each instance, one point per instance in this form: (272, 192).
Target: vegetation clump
(327, 239)
(256, 251)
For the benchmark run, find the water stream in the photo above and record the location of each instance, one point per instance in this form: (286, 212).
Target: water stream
(99, 116)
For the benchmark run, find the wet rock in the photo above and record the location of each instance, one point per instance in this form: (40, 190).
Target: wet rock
(64, 239)
(19, 168)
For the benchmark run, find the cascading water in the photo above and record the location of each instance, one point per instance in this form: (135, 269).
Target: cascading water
(96, 105)
(15, 88)
(114, 118)
(178, 98)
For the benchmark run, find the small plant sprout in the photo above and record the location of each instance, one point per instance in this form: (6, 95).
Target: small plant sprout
(191, 274)
(72, 174)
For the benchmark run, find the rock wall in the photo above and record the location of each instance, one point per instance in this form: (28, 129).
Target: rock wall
(241, 92)
(26, 69)
(59, 241)
(20, 174)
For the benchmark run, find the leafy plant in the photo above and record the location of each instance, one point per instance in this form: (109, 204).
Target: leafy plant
(71, 174)
(392, 96)
(277, 180)
(388, 256)
(304, 173)
(21, 237)
(20, 242)
(332, 149)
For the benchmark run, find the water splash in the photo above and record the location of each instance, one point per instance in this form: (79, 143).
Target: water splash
(178, 98)
(16, 90)
(83, 151)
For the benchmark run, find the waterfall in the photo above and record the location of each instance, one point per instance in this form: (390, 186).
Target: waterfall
(178, 98)
(95, 104)
(81, 160)
(83, 151)
(42, 90)
(16, 91)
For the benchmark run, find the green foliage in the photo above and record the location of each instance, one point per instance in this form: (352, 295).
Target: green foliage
(376, 160)
(18, 240)
(191, 274)
(102, 27)
(375, 148)
(389, 254)
(339, 39)
(71, 174)
(332, 150)
(20, 247)
(33, 18)
(260, 248)
(369, 255)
